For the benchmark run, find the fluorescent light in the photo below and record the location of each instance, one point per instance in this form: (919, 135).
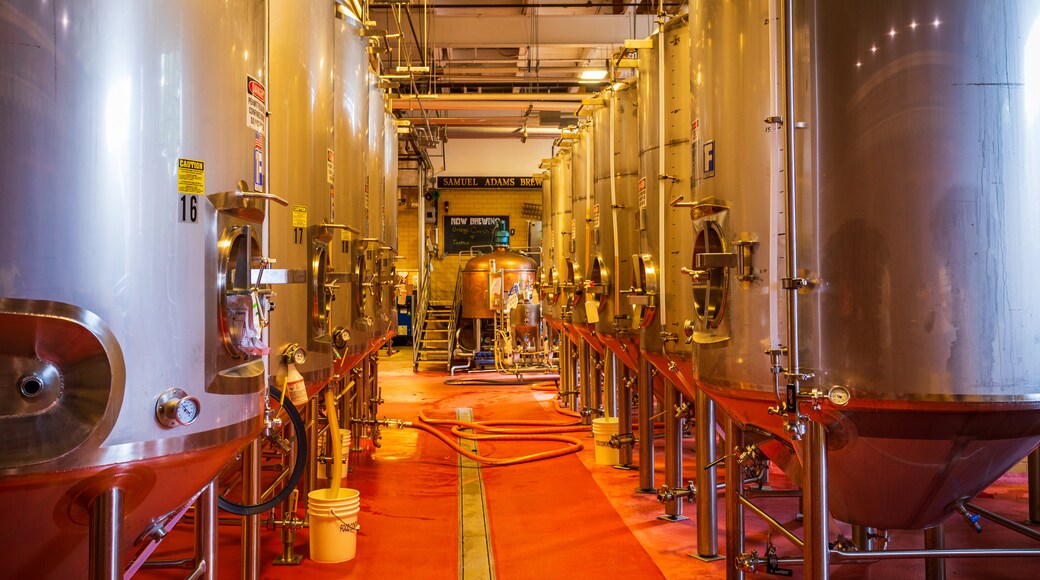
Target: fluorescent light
(593, 74)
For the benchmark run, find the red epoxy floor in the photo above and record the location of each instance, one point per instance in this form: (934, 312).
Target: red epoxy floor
(561, 518)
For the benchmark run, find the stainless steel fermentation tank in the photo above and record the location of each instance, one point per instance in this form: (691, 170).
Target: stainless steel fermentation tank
(350, 163)
(129, 158)
(376, 258)
(893, 265)
(661, 299)
(613, 239)
(302, 45)
(580, 326)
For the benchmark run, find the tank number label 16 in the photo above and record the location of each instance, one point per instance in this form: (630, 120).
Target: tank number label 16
(188, 209)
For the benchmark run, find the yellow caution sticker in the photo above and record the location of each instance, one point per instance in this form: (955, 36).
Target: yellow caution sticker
(191, 177)
(344, 235)
(299, 216)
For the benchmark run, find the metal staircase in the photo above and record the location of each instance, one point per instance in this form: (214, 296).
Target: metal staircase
(435, 323)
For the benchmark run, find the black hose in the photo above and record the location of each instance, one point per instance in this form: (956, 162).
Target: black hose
(297, 470)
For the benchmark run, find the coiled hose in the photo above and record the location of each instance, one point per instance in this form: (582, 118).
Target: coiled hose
(521, 430)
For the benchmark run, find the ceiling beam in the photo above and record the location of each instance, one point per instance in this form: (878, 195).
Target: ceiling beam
(541, 30)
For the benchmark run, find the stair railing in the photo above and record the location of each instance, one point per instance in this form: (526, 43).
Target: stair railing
(419, 314)
(456, 307)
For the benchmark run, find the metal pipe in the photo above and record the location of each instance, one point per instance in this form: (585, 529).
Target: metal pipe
(840, 557)
(646, 428)
(251, 524)
(707, 478)
(771, 493)
(1034, 486)
(585, 376)
(816, 516)
(106, 526)
(662, 194)
(523, 5)
(1002, 521)
(771, 521)
(610, 384)
(576, 399)
(934, 539)
(790, 187)
(206, 531)
(310, 467)
(401, 100)
(863, 537)
(624, 415)
(673, 472)
(734, 507)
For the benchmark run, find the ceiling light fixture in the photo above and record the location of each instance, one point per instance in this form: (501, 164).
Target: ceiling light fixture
(593, 74)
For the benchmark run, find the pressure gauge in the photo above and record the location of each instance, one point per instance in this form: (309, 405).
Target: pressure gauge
(839, 396)
(175, 408)
(295, 355)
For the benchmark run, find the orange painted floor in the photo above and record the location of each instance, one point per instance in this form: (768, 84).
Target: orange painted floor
(561, 518)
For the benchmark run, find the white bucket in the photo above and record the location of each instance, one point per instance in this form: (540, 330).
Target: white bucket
(333, 524)
(603, 428)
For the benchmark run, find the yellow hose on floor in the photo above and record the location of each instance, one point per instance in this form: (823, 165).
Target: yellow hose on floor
(336, 472)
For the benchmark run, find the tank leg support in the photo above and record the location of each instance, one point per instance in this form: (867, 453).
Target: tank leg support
(707, 495)
(585, 373)
(106, 522)
(673, 472)
(610, 385)
(206, 532)
(934, 539)
(646, 428)
(624, 414)
(251, 524)
(817, 552)
(734, 509)
(1034, 486)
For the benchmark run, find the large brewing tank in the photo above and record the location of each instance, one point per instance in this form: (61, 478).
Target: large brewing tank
(351, 158)
(581, 193)
(916, 207)
(562, 238)
(663, 302)
(122, 124)
(301, 56)
(547, 271)
(388, 256)
(487, 280)
(613, 239)
(377, 254)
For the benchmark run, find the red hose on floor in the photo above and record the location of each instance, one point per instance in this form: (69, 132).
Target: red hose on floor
(531, 431)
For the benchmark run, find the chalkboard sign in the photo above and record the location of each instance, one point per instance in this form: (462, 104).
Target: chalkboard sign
(463, 232)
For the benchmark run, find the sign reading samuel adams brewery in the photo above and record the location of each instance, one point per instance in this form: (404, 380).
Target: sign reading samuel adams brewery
(487, 183)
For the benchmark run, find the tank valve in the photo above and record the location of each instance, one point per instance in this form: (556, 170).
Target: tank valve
(970, 517)
(747, 562)
(666, 494)
(616, 441)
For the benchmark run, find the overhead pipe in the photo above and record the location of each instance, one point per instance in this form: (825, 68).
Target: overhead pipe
(557, 5)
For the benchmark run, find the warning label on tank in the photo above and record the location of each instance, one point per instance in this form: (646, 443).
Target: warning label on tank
(344, 235)
(256, 104)
(299, 216)
(191, 177)
(595, 216)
